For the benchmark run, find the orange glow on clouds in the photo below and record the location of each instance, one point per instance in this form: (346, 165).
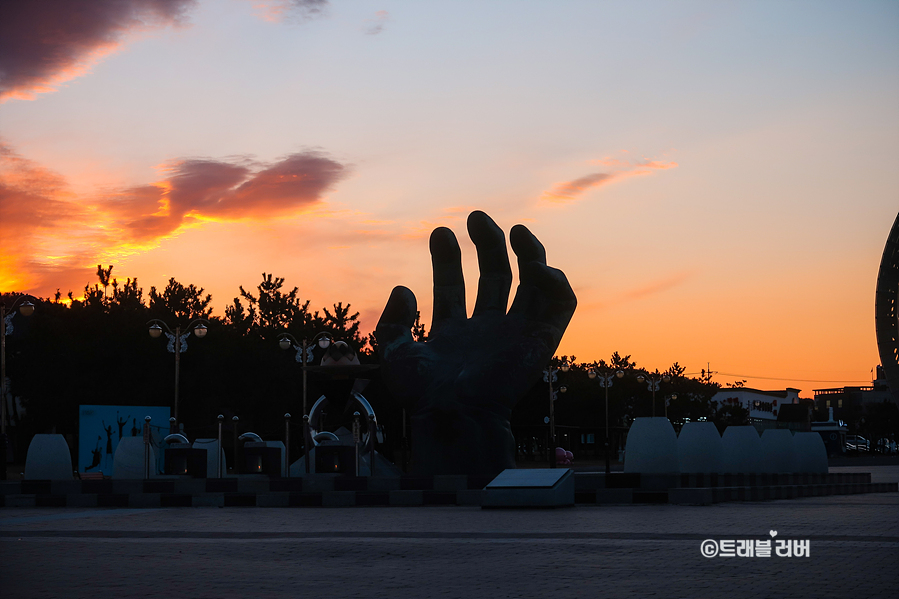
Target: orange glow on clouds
(85, 63)
(617, 169)
(51, 230)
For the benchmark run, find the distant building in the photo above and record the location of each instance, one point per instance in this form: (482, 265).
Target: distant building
(848, 402)
(764, 407)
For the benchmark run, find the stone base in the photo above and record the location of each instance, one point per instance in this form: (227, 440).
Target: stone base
(552, 487)
(526, 488)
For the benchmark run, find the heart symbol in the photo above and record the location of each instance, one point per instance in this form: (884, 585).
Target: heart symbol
(773, 533)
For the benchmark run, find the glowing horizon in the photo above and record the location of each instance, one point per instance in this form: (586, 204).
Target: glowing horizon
(716, 184)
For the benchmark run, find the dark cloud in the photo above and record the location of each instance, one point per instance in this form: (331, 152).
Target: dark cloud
(309, 9)
(291, 10)
(375, 25)
(200, 185)
(44, 43)
(296, 180)
(222, 190)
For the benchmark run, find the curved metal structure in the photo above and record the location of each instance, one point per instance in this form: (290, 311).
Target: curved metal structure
(177, 438)
(886, 309)
(315, 415)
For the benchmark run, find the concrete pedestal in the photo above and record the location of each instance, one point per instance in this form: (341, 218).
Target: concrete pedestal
(48, 459)
(551, 487)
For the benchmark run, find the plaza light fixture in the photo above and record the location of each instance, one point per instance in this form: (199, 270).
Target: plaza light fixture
(177, 345)
(605, 380)
(550, 375)
(652, 383)
(304, 356)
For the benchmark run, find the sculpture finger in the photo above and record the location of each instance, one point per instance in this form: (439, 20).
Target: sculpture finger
(449, 283)
(395, 325)
(528, 249)
(526, 246)
(493, 261)
(545, 297)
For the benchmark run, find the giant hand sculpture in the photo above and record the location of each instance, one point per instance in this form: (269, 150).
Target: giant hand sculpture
(462, 383)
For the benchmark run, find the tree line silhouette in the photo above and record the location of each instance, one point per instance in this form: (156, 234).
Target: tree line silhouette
(97, 350)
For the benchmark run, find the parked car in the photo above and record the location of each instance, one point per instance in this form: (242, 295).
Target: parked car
(856, 442)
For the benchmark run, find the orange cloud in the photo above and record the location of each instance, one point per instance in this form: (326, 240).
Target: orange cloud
(572, 189)
(44, 44)
(48, 230)
(34, 203)
(617, 169)
(205, 189)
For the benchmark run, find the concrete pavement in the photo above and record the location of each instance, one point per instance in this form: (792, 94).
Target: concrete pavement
(609, 551)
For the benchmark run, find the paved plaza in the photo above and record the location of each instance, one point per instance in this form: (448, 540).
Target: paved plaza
(586, 551)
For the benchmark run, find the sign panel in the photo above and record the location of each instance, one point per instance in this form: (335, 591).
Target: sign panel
(100, 428)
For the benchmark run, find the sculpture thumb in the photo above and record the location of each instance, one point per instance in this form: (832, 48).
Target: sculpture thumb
(395, 324)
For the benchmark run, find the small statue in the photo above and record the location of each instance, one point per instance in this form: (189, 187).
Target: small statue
(462, 383)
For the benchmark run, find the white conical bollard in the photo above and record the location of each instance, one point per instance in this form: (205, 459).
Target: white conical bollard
(48, 458)
(699, 448)
(778, 454)
(128, 461)
(810, 452)
(651, 446)
(742, 450)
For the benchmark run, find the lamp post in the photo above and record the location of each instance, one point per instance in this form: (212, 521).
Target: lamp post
(287, 443)
(652, 383)
(218, 453)
(304, 356)
(147, 433)
(177, 345)
(550, 375)
(234, 467)
(307, 440)
(605, 380)
(26, 308)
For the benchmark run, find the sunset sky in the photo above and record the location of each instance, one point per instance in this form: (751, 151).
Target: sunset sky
(716, 179)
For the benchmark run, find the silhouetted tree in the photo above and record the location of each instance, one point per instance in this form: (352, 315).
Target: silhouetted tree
(129, 297)
(272, 309)
(179, 303)
(103, 274)
(725, 415)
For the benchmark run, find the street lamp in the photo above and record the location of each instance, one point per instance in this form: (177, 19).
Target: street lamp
(605, 380)
(177, 345)
(25, 309)
(652, 383)
(550, 375)
(304, 356)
